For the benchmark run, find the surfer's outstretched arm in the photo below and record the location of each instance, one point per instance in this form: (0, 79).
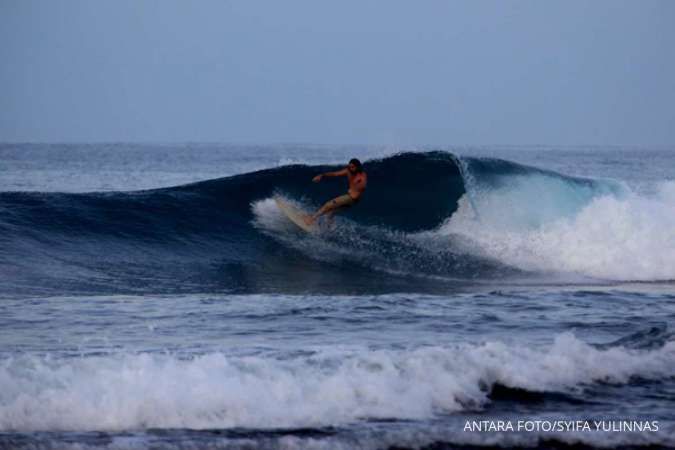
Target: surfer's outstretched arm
(337, 173)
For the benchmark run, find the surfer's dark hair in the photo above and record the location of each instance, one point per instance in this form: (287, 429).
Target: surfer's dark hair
(357, 163)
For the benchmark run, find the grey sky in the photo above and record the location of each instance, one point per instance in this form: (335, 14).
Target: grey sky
(348, 71)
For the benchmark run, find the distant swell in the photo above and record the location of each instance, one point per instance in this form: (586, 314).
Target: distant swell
(424, 214)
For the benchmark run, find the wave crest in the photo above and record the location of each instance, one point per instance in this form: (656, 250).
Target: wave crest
(322, 388)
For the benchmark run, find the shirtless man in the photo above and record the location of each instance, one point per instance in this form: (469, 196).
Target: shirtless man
(357, 185)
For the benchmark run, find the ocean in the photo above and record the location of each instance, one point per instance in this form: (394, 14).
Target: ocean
(153, 296)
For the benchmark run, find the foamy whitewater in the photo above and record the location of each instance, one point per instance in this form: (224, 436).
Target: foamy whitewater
(616, 237)
(153, 296)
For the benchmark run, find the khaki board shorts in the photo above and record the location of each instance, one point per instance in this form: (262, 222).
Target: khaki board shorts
(343, 201)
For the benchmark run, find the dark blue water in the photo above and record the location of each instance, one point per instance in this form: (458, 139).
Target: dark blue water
(155, 297)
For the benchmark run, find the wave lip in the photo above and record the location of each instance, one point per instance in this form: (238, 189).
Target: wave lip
(520, 197)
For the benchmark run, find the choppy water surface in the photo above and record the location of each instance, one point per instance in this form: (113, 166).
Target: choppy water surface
(153, 296)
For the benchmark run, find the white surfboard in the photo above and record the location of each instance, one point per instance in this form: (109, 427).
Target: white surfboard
(296, 215)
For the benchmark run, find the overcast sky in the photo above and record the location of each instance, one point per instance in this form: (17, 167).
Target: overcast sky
(348, 71)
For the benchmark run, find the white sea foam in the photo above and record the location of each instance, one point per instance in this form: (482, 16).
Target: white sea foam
(418, 437)
(268, 216)
(627, 237)
(328, 387)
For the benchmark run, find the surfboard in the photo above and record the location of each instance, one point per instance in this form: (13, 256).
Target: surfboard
(295, 215)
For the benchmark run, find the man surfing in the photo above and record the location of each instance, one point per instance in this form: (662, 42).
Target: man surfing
(357, 179)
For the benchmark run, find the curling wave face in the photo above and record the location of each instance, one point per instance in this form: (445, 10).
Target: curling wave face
(425, 214)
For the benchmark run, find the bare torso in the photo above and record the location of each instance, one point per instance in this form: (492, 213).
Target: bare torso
(357, 184)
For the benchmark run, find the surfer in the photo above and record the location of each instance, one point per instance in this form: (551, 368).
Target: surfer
(357, 179)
